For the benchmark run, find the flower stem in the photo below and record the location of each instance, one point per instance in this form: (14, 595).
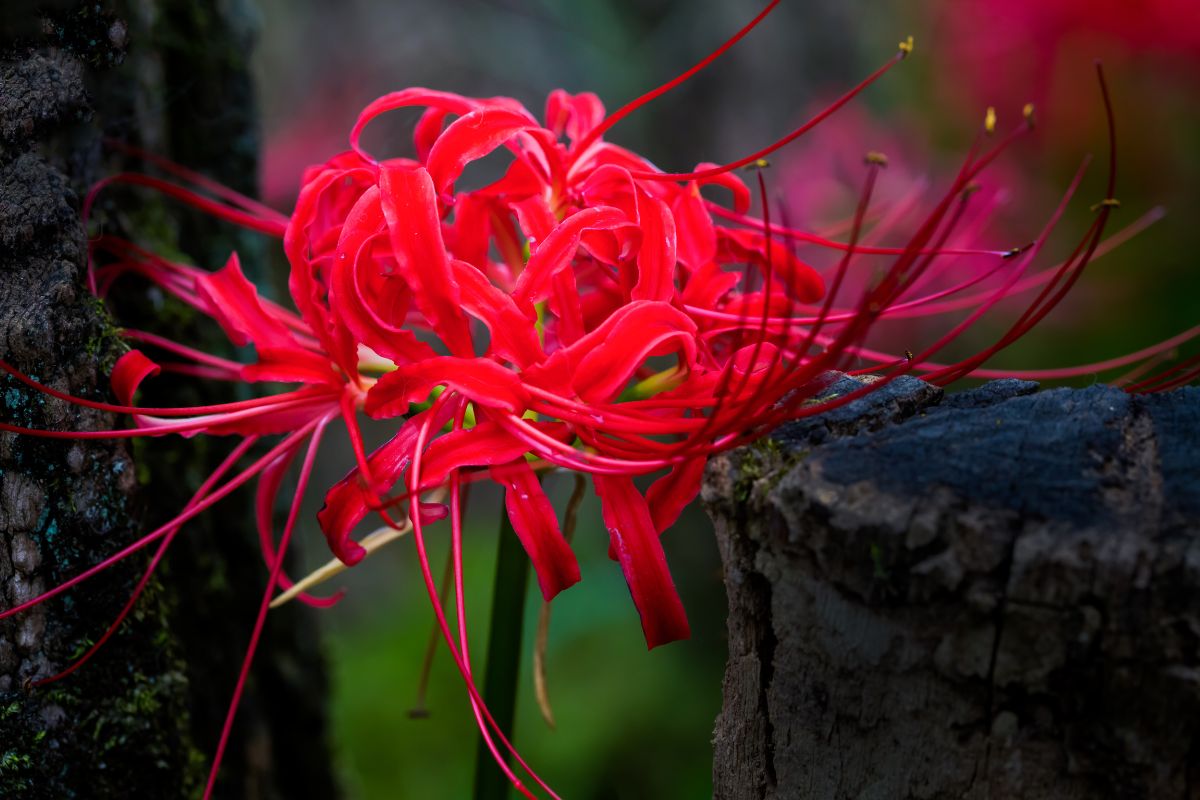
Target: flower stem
(503, 655)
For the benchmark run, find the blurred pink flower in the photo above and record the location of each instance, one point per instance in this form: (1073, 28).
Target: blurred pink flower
(1005, 54)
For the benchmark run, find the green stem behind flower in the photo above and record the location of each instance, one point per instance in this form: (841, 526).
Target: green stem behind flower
(503, 655)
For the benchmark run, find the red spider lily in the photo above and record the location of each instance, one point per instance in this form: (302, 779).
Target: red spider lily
(1031, 37)
(635, 327)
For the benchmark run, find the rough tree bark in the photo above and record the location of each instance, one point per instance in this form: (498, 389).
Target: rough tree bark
(142, 718)
(982, 595)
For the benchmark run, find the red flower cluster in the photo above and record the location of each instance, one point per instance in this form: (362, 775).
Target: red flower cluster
(633, 325)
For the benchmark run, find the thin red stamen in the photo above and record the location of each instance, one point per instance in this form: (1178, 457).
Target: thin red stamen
(653, 94)
(439, 613)
(218, 495)
(205, 487)
(317, 428)
(758, 155)
(306, 393)
(197, 424)
(202, 181)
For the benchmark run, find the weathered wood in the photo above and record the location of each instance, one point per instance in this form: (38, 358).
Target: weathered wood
(987, 594)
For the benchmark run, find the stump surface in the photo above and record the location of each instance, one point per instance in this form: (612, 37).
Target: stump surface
(987, 594)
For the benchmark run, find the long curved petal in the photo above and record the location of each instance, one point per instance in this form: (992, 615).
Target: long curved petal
(536, 524)
(636, 544)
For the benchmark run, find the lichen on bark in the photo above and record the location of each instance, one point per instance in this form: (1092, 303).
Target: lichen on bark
(64, 505)
(991, 593)
(142, 717)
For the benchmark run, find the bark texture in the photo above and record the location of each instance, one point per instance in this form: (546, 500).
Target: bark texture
(979, 595)
(141, 719)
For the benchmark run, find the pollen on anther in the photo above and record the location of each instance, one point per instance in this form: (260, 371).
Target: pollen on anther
(906, 47)
(989, 120)
(877, 158)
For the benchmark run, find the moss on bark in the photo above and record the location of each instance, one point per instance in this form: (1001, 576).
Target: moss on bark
(142, 718)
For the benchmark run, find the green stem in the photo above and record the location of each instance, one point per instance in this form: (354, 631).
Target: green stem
(503, 656)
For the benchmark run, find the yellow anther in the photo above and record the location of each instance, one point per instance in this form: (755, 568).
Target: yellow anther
(1108, 202)
(989, 120)
(906, 47)
(908, 355)
(1027, 113)
(758, 163)
(875, 157)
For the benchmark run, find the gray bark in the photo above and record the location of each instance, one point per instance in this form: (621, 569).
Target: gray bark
(141, 719)
(987, 594)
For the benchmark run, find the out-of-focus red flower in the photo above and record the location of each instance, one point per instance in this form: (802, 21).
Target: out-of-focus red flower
(1007, 54)
(994, 40)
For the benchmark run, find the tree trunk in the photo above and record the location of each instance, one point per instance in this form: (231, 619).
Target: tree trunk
(142, 718)
(983, 595)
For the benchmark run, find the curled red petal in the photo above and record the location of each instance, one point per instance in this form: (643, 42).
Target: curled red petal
(513, 334)
(446, 102)
(535, 217)
(605, 155)
(348, 502)
(709, 284)
(656, 256)
(610, 185)
(427, 130)
(519, 180)
(130, 370)
(233, 302)
(415, 229)
(536, 525)
(485, 445)
(472, 230)
(558, 248)
(292, 365)
(639, 551)
(370, 303)
(470, 137)
(609, 356)
(670, 494)
(321, 190)
(697, 237)
(480, 380)
(598, 366)
(727, 180)
(573, 114)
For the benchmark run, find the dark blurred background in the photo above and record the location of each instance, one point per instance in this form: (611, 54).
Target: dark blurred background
(633, 724)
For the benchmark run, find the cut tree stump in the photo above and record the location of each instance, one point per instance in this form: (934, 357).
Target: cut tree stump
(990, 594)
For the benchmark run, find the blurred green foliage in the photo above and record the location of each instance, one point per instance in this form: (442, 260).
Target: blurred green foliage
(630, 724)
